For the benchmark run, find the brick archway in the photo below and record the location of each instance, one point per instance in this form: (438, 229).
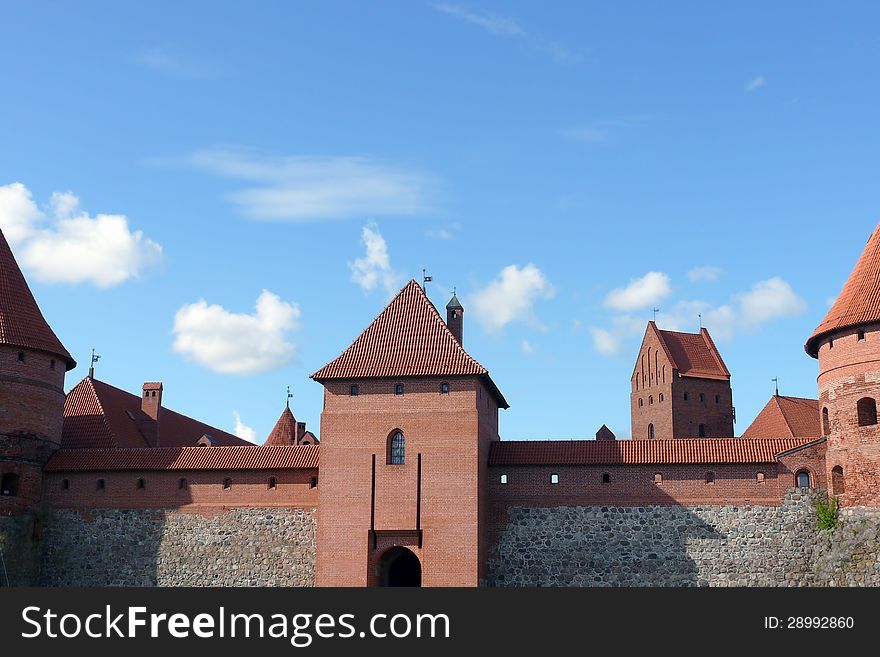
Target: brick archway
(399, 566)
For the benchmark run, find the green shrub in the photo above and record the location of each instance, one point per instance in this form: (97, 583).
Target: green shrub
(826, 513)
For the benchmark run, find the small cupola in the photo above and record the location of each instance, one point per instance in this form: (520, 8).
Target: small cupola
(455, 318)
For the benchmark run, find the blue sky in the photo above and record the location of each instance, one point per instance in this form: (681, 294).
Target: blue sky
(222, 196)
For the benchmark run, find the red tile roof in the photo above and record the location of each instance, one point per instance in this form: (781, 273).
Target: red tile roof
(692, 354)
(284, 431)
(634, 452)
(858, 302)
(786, 417)
(98, 415)
(408, 338)
(250, 457)
(21, 322)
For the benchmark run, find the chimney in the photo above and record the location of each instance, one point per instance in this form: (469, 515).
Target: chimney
(300, 432)
(151, 402)
(455, 318)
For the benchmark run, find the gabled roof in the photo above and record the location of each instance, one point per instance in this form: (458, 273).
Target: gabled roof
(284, 431)
(636, 452)
(21, 322)
(408, 338)
(692, 354)
(859, 301)
(98, 415)
(244, 457)
(786, 417)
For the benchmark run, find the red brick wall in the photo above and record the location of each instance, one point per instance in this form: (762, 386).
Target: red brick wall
(717, 416)
(849, 371)
(446, 430)
(205, 488)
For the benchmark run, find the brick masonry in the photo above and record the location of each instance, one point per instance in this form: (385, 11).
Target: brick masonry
(139, 547)
(726, 545)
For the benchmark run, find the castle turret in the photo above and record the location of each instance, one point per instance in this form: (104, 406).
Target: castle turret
(32, 366)
(455, 318)
(847, 345)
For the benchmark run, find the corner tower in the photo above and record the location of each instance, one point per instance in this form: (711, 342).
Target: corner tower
(33, 363)
(847, 345)
(680, 387)
(407, 423)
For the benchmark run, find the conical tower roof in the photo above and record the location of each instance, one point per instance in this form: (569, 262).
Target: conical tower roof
(284, 431)
(858, 302)
(21, 322)
(454, 303)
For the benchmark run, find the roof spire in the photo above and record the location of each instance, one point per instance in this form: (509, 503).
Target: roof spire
(92, 362)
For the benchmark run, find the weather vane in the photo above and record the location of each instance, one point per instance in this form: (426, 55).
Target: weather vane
(656, 310)
(700, 316)
(776, 381)
(426, 279)
(289, 396)
(95, 358)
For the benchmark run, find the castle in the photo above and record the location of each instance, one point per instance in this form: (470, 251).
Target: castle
(410, 482)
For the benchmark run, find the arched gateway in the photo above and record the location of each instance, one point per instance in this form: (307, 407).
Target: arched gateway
(400, 567)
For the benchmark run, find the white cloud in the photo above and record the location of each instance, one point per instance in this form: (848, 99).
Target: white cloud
(769, 300)
(527, 347)
(303, 188)
(237, 343)
(511, 297)
(67, 245)
(641, 292)
(756, 83)
(375, 267)
(242, 430)
(502, 26)
(605, 342)
(707, 274)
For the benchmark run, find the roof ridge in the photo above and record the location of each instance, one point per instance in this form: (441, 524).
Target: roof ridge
(713, 350)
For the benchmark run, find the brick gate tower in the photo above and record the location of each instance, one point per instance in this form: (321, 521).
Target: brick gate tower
(405, 432)
(32, 366)
(847, 344)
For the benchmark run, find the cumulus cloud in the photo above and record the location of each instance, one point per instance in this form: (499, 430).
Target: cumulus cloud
(237, 343)
(706, 274)
(65, 244)
(374, 268)
(756, 83)
(511, 297)
(242, 430)
(302, 188)
(605, 342)
(769, 300)
(640, 293)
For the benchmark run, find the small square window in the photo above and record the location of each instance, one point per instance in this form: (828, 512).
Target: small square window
(760, 477)
(20, 356)
(554, 478)
(504, 479)
(65, 484)
(354, 391)
(100, 485)
(606, 478)
(398, 389)
(444, 388)
(658, 478)
(861, 335)
(273, 483)
(141, 484)
(313, 482)
(227, 483)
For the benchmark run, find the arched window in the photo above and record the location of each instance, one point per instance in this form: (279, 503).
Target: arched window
(444, 388)
(396, 449)
(661, 397)
(826, 423)
(9, 485)
(650, 373)
(802, 479)
(183, 484)
(273, 483)
(227, 483)
(398, 389)
(867, 408)
(702, 430)
(641, 402)
(658, 478)
(354, 391)
(664, 374)
(651, 432)
(650, 399)
(838, 484)
(710, 477)
(656, 366)
(759, 477)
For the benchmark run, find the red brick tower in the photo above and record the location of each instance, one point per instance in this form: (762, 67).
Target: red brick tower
(405, 432)
(847, 344)
(680, 387)
(32, 366)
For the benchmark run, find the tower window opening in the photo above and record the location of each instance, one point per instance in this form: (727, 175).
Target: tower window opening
(650, 432)
(660, 397)
(826, 422)
(867, 411)
(398, 389)
(606, 478)
(183, 484)
(444, 388)
(702, 397)
(397, 449)
(641, 402)
(20, 356)
(354, 391)
(141, 484)
(650, 399)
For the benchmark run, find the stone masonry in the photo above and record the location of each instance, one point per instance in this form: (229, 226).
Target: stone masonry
(686, 546)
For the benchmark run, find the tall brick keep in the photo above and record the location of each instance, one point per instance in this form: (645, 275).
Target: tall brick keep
(680, 387)
(32, 366)
(405, 433)
(847, 344)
